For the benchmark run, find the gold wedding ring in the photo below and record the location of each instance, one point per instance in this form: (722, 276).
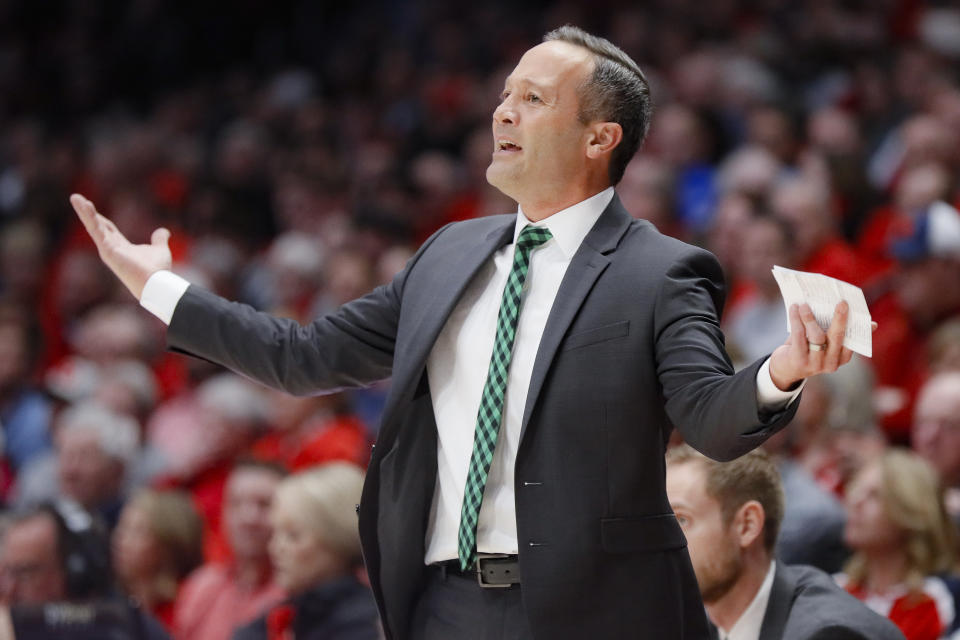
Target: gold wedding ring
(816, 347)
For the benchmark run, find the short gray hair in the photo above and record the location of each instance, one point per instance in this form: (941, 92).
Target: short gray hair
(616, 92)
(117, 435)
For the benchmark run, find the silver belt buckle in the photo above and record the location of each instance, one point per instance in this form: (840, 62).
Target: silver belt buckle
(490, 556)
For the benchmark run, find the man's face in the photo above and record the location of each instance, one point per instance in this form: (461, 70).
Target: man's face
(714, 550)
(87, 474)
(539, 142)
(30, 571)
(246, 512)
(763, 246)
(936, 428)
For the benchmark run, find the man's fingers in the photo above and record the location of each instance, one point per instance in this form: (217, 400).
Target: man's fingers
(97, 225)
(160, 237)
(835, 334)
(845, 356)
(814, 333)
(86, 212)
(798, 337)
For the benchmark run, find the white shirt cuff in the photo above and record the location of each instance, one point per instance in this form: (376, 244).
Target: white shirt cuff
(161, 294)
(769, 397)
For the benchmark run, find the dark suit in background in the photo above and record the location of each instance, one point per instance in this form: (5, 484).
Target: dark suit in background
(632, 347)
(805, 604)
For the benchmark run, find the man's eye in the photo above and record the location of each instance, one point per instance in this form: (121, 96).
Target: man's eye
(533, 97)
(504, 95)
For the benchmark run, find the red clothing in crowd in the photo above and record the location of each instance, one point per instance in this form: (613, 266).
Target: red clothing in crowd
(837, 259)
(212, 604)
(164, 613)
(207, 488)
(340, 438)
(900, 363)
(920, 615)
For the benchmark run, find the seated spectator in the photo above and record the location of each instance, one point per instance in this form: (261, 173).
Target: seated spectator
(31, 571)
(94, 449)
(901, 537)
(804, 204)
(157, 542)
(811, 531)
(55, 559)
(936, 433)
(127, 387)
(758, 323)
(926, 292)
(25, 413)
(730, 514)
(315, 551)
(943, 348)
(836, 426)
(310, 430)
(221, 596)
(171, 429)
(229, 412)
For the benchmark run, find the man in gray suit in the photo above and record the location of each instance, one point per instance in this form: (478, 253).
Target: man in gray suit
(731, 514)
(522, 495)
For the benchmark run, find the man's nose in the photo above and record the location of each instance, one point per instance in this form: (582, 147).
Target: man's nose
(505, 113)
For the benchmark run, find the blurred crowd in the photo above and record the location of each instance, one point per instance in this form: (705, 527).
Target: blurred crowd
(300, 152)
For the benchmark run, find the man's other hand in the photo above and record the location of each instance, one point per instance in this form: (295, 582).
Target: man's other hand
(132, 263)
(809, 350)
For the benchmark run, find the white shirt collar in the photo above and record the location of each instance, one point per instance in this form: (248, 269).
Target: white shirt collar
(747, 626)
(570, 226)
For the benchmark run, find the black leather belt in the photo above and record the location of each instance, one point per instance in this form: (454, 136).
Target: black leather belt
(492, 570)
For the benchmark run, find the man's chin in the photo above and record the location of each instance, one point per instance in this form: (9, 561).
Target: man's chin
(500, 179)
(718, 584)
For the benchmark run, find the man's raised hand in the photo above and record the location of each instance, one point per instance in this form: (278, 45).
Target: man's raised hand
(132, 263)
(809, 350)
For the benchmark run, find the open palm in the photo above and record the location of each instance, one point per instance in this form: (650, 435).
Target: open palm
(132, 263)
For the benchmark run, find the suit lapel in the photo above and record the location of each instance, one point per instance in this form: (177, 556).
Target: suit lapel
(587, 265)
(712, 630)
(779, 605)
(449, 286)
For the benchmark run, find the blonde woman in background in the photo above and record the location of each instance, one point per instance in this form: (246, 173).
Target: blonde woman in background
(315, 551)
(157, 542)
(901, 537)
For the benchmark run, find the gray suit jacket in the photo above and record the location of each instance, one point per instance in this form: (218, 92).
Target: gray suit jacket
(805, 604)
(632, 347)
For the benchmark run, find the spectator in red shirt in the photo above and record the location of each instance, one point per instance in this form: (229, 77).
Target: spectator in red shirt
(926, 292)
(306, 431)
(218, 597)
(804, 204)
(315, 551)
(901, 536)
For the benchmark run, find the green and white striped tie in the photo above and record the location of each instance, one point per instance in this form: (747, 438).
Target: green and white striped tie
(491, 403)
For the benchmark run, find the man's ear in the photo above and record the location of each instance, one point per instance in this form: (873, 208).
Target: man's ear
(604, 137)
(748, 523)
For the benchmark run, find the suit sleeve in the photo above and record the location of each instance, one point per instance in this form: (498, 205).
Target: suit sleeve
(714, 408)
(837, 632)
(351, 347)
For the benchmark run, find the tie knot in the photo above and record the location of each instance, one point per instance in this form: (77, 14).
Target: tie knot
(531, 237)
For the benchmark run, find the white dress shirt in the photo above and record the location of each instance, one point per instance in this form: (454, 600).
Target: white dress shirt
(457, 368)
(747, 626)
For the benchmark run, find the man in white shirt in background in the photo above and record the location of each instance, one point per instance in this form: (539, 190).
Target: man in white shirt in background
(731, 513)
